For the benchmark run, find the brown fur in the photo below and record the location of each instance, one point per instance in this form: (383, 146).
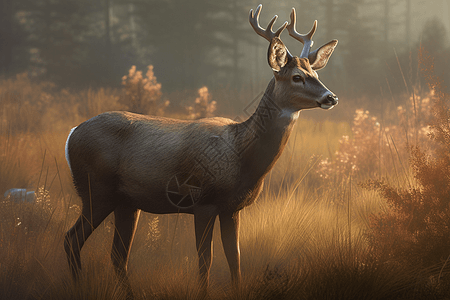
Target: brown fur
(302, 64)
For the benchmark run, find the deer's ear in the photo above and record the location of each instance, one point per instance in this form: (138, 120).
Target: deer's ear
(319, 58)
(277, 55)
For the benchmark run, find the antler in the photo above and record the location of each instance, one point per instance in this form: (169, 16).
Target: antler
(268, 34)
(306, 39)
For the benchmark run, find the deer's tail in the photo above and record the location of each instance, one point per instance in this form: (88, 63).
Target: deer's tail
(67, 148)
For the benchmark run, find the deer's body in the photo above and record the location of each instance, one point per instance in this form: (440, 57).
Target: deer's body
(135, 156)
(124, 163)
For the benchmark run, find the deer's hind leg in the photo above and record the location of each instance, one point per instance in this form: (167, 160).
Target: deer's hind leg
(91, 217)
(204, 218)
(126, 219)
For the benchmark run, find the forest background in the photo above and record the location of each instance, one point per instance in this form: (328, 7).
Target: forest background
(81, 44)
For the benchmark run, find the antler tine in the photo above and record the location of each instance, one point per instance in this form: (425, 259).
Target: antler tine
(305, 39)
(268, 34)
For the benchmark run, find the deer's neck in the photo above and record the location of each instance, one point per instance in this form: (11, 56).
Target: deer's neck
(262, 138)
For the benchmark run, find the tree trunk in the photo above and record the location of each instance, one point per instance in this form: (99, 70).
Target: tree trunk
(386, 20)
(329, 13)
(408, 23)
(6, 41)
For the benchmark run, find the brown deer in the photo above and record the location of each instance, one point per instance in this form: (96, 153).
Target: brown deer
(124, 163)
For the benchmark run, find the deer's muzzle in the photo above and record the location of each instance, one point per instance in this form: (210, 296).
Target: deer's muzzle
(329, 101)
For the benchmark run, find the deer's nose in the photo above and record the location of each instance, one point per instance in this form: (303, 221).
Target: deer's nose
(333, 99)
(328, 101)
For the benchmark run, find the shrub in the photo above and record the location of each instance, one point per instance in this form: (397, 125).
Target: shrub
(356, 153)
(143, 94)
(203, 106)
(374, 149)
(415, 227)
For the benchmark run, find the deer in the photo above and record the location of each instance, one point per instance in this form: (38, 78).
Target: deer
(125, 163)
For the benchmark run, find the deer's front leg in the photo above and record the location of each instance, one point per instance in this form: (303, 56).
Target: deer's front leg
(204, 218)
(229, 227)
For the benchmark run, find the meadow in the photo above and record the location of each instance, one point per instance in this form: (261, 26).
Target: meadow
(314, 233)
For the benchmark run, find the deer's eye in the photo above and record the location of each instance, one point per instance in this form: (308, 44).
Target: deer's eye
(298, 78)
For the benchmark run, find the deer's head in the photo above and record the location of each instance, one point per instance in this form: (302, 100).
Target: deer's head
(297, 85)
